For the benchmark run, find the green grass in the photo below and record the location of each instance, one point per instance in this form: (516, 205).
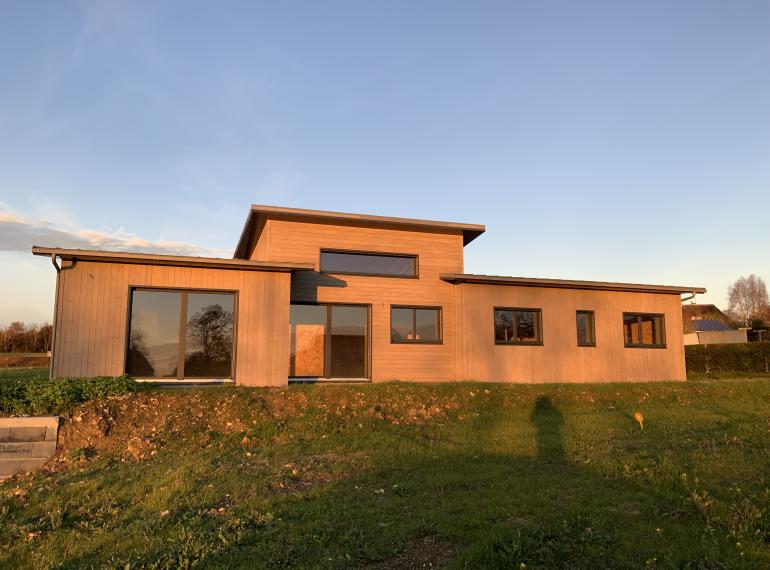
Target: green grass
(36, 373)
(496, 476)
(30, 392)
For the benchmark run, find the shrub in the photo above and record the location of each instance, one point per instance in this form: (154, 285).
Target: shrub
(727, 359)
(43, 396)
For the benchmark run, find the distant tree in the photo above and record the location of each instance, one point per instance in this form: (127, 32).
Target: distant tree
(210, 338)
(44, 338)
(747, 299)
(21, 337)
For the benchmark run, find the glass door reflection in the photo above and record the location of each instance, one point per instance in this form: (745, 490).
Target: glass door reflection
(329, 341)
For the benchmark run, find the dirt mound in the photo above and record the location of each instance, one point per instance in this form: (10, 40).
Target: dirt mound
(136, 426)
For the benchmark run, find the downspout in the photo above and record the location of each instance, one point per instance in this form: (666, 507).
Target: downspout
(691, 296)
(55, 313)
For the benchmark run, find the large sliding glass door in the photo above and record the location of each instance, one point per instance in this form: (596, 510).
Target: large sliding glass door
(181, 334)
(329, 341)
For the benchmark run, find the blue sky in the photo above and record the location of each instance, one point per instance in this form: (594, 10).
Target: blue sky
(623, 141)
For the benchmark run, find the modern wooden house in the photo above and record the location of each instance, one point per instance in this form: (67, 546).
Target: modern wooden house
(314, 295)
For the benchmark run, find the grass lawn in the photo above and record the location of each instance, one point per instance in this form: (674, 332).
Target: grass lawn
(404, 476)
(34, 373)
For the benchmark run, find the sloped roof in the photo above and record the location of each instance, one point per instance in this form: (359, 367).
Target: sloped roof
(469, 231)
(703, 310)
(704, 325)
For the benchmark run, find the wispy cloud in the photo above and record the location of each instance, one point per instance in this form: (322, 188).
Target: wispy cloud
(18, 233)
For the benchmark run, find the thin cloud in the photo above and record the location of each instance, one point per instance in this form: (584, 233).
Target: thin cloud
(19, 233)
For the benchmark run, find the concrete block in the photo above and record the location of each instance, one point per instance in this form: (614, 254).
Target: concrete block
(27, 465)
(4, 433)
(25, 450)
(10, 467)
(45, 421)
(27, 433)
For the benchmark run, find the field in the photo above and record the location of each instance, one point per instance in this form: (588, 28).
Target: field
(404, 476)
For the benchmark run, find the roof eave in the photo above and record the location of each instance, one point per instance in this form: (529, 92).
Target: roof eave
(469, 231)
(137, 258)
(459, 278)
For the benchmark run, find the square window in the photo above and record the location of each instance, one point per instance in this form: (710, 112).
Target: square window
(415, 325)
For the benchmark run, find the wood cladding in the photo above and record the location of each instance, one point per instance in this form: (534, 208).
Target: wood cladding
(469, 351)
(559, 359)
(91, 327)
(438, 251)
(93, 297)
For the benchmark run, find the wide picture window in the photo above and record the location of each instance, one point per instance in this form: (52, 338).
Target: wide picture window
(181, 334)
(374, 264)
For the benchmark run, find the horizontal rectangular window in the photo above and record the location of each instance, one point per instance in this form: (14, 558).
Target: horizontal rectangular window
(181, 334)
(642, 330)
(415, 325)
(378, 264)
(586, 331)
(518, 326)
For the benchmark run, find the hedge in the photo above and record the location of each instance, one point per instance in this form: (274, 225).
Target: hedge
(726, 359)
(43, 396)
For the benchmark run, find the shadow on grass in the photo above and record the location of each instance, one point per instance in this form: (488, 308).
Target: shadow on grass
(489, 510)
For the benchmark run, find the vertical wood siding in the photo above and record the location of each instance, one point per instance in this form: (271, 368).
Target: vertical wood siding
(92, 317)
(439, 252)
(560, 359)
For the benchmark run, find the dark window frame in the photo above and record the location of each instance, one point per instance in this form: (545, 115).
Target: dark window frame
(639, 316)
(327, 347)
(415, 257)
(538, 327)
(180, 378)
(414, 309)
(592, 321)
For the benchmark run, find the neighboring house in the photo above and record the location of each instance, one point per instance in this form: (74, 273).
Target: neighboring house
(709, 331)
(706, 324)
(324, 295)
(697, 311)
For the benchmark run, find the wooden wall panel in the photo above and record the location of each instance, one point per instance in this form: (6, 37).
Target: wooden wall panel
(560, 359)
(92, 317)
(439, 252)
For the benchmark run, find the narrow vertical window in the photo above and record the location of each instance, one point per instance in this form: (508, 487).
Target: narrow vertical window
(586, 330)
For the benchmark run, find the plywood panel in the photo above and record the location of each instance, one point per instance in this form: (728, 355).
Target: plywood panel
(93, 317)
(438, 252)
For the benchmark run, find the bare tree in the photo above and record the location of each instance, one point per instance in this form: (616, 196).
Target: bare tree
(747, 299)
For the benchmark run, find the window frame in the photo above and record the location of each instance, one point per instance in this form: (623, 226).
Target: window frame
(414, 309)
(327, 347)
(415, 257)
(592, 342)
(538, 328)
(638, 316)
(183, 291)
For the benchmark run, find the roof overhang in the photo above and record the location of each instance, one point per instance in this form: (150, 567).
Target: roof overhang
(459, 278)
(171, 260)
(469, 231)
